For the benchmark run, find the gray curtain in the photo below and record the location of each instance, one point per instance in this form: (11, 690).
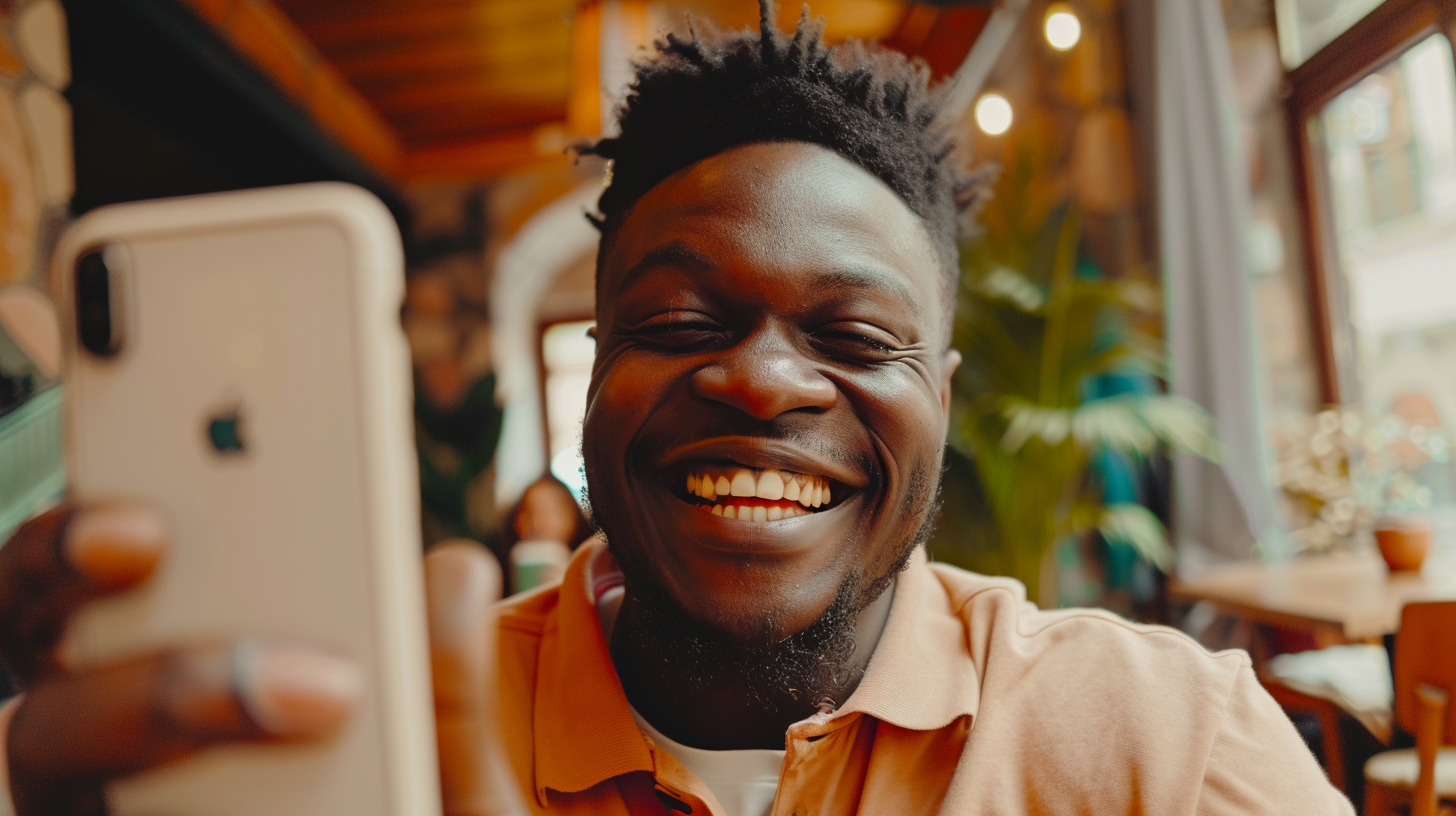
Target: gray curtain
(1183, 87)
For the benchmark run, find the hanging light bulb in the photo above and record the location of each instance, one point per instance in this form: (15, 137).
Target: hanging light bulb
(993, 114)
(1062, 27)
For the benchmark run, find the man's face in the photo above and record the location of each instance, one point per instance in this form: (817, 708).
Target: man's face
(769, 322)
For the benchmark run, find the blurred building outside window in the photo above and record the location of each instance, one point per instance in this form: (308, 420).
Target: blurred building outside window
(1389, 155)
(566, 355)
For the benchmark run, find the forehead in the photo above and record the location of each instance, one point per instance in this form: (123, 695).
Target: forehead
(779, 207)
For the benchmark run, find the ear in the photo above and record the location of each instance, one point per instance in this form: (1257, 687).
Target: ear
(949, 363)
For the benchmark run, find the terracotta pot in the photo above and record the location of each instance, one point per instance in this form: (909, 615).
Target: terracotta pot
(1404, 543)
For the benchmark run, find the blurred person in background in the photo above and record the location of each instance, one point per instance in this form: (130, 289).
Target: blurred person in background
(758, 630)
(541, 532)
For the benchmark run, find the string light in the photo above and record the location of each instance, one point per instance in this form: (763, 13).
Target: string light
(1062, 27)
(993, 114)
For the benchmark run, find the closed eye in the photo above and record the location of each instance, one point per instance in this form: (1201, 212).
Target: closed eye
(679, 332)
(856, 345)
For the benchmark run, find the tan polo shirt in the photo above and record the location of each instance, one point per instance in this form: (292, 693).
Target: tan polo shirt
(975, 702)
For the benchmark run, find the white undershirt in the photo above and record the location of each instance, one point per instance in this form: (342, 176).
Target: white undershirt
(744, 781)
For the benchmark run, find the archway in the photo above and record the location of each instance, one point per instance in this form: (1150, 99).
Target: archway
(527, 267)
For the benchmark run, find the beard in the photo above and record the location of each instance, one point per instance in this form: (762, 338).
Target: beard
(809, 666)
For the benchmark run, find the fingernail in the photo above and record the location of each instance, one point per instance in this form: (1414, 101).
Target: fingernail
(116, 543)
(294, 691)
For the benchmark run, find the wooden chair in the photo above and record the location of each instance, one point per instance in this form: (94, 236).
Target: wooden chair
(1420, 780)
(1348, 690)
(1328, 716)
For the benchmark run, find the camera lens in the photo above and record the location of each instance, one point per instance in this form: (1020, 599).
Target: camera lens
(96, 318)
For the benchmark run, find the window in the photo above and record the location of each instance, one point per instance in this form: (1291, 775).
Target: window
(1373, 101)
(1306, 26)
(1389, 145)
(566, 356)
(1375, 112)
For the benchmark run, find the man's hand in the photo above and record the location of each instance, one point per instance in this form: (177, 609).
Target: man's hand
(75, 730)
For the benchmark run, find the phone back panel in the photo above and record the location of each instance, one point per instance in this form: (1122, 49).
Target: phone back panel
(261, 398)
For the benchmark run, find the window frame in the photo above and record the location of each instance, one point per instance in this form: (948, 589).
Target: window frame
(1378, 39)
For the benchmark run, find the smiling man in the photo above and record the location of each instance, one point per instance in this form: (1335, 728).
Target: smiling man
(756, 630)
(759, 631)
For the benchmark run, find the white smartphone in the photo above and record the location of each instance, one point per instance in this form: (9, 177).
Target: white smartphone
(236, 359)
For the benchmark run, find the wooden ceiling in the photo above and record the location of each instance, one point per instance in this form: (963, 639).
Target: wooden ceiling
(446, 70)
(452, 76)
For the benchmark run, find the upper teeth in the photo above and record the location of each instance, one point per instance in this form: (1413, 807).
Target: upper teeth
(810, 491)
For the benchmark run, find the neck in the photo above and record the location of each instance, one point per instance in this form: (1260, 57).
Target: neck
(723, 710)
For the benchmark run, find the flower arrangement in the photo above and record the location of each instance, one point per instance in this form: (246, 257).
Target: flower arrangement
(1345, 468)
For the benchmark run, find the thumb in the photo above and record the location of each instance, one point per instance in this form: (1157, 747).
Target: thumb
(462, 582)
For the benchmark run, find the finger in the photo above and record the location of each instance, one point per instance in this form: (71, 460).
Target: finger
(462, 583)
(73, 733)
(62, 559)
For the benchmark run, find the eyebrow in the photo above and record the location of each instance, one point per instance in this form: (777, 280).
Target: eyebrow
(866, 279)
(672, 253)
(678, 254)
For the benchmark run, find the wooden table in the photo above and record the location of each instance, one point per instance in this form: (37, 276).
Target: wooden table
(1345, 598)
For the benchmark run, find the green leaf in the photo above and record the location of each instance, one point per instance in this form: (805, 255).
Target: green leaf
(1132, 524)
(1051, 425)
(1115, 423)
(1182, 425)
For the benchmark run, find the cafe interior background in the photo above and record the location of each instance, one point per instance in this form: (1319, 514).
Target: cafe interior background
(1209, 317)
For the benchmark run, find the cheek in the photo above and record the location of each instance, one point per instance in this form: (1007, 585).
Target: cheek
(907, 424)
(620, 398)
(905, 414)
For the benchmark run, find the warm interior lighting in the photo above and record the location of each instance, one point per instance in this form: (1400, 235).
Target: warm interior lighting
(993, 114)
(1063, 29)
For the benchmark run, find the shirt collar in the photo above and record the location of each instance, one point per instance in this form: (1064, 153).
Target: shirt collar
(584, 729)
(922, 677)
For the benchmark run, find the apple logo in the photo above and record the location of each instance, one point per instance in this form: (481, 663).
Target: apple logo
(225, 432)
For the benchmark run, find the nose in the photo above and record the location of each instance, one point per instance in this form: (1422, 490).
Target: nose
(765, 375)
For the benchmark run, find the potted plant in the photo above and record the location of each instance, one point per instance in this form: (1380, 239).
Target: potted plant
(1035, 330)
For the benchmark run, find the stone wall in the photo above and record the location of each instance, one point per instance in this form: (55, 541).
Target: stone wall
(36, 178)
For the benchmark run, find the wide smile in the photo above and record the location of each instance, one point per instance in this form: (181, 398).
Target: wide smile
(756, 494)
(770, 483)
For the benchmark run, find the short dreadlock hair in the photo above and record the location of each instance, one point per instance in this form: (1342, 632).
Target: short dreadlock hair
(698, 97)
